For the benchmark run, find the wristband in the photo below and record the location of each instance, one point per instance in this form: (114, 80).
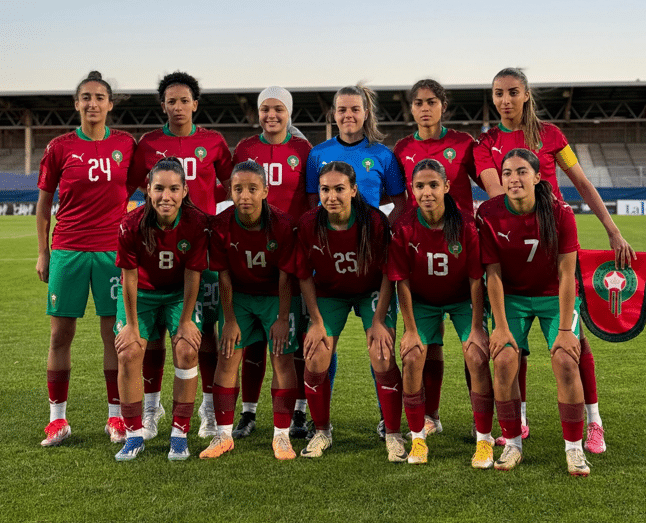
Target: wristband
(566, 330)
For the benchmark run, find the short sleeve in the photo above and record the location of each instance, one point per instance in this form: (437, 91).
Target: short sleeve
(393, 178)
(50, 168)
(474, 265)
(217, 251)
(127, 247)
(398, 262)
(223, 163)
(312, 173)
(303, 270)
(568, 240)
(197, 260)
(482, 157)
(488, 249)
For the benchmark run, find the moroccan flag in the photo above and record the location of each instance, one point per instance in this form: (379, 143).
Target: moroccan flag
(612, 300)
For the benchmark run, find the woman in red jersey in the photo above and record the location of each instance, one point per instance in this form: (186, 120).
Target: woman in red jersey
(520, 127)
(162, 251)
(252, 247)
(341, 260)
(206, 159)
(454, 150)
(89, 167)
(529, 245)
(282, 150)
(434, 257)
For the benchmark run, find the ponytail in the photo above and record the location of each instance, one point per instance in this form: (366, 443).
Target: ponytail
(453, 221)
(545, 216)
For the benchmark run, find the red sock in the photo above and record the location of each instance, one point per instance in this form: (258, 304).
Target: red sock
(509, 417)
(207, 362)
(482, 411)
(299, 363)
(522, 379)
(414, 407)
(389, 390)
(433, 374)
(112, 386)
(571, 421)
(182, 413)
(254, 363)
(317, 391)
(283, 401)
(224, 404)
(153, 370)
(586, 369)
(58, 383)
(131, 413)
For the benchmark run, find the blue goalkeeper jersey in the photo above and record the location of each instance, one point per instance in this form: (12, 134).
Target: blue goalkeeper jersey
(375, 165)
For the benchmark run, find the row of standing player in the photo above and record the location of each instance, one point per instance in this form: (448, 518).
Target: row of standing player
(353, 112)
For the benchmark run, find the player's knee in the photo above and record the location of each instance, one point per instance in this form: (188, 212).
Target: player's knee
(565, 366)
(130, 356)
(505, 366)
(185, 354)
(414, 360)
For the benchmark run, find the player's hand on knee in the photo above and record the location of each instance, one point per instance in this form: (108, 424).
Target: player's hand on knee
(126, 337)
(500, 338)
(477, 340)
(279, 335)
(231, 337)
(380, 340)
(410, 341)
(190, 333)
(315, 337)
(567, 341)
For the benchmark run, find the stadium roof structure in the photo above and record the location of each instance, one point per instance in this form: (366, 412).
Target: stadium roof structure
(236, 108)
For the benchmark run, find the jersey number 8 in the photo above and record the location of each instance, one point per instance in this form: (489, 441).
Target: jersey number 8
(166, 259)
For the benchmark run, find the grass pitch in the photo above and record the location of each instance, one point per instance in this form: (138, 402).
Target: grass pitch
(80, 481)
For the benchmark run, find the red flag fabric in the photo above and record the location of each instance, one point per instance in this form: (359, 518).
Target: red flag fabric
(612, 300)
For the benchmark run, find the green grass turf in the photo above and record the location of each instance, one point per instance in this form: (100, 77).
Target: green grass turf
(80, 481)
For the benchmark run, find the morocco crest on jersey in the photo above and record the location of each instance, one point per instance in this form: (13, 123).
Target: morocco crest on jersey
(613, 306)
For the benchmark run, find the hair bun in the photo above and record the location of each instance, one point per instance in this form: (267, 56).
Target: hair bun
(94, 75)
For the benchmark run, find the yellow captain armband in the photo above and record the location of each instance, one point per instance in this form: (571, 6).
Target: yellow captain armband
(566, 158)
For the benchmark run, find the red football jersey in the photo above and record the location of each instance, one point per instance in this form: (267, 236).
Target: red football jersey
(92, 179)
(335, 270)
(254, 258)
(439, 273)
(204, 154)
(182, 247)
(454, 150)
(513, 240)
(493, 145)
(285, 168)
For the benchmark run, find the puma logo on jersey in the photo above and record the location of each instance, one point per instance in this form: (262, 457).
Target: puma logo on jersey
(416, 247)
(79, 157)
(505, 236)
(310, 387)
(123, 231)
(180, 427)
(162, 154)
(497, 150)
(231, 244)
(317, 248)
(252, 159)
(389, 388)
(411, 158)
